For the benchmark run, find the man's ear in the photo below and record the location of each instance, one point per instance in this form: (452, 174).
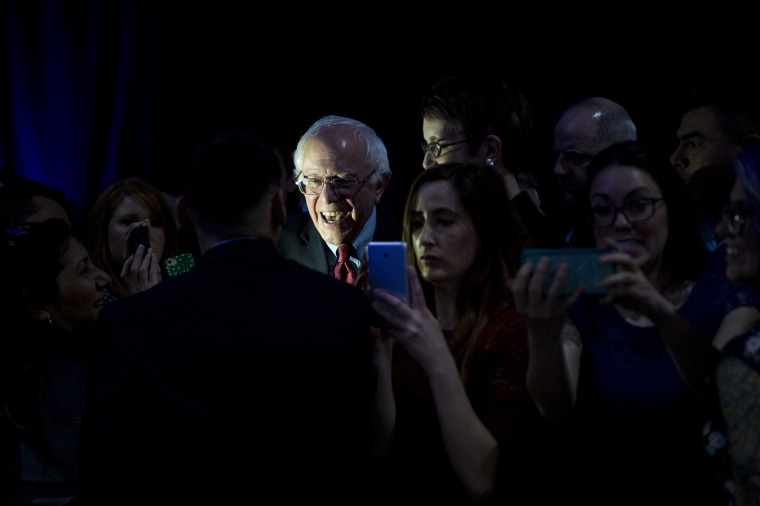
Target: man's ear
(381, 186)
(183, 216)
(491, 148)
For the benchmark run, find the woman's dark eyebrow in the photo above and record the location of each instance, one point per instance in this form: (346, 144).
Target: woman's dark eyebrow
(627, 195)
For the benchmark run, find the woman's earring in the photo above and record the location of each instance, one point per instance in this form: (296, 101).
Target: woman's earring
(489, 163)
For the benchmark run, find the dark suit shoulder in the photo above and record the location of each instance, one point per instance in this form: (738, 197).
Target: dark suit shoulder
(295, 225)
(544, 232)
(300, 241)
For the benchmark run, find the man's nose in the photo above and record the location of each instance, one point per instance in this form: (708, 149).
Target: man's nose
(428, 160)
(678, 159)
(560, 169)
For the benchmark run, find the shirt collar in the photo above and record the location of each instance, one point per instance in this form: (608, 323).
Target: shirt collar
(361, 240)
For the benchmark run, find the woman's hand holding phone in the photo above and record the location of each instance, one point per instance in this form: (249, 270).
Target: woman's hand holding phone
(141, 269)
(541, 296)
(411, 323)
(631, 288)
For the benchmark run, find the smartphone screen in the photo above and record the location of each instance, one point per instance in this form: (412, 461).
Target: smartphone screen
(583, 263)
(387, 263)
(138, 236)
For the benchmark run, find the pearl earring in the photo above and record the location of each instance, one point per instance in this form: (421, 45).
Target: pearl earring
(489, 162)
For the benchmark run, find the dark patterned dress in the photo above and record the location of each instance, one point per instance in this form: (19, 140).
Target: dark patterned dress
(418, 468)
(639, 425)
(732, 434)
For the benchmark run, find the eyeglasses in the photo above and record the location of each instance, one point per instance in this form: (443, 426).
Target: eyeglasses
(737, 217)
(634, 211)
(343, 187)
(434, 148)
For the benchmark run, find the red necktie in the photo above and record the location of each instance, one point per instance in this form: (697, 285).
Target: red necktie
(344, 268)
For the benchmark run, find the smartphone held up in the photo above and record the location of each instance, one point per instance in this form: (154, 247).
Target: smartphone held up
(139, 235)
(583, 263)
(386, 263)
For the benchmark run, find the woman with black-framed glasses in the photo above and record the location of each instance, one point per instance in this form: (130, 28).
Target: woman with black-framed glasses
(631, 367)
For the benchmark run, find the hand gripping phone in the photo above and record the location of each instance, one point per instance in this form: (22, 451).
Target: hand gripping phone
(583, 263)
(139, 235)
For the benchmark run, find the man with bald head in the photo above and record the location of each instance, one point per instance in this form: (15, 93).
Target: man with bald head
(342, 168)
(583, 129)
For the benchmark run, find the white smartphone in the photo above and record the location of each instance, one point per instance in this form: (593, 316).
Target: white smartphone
(583, 263)
(386, 263)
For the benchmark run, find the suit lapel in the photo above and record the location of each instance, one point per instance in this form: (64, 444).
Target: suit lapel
(311, 255)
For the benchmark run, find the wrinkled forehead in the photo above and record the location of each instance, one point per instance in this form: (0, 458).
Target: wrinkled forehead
(574, 132)
(705, 123)
(334, 153)
(434, 129)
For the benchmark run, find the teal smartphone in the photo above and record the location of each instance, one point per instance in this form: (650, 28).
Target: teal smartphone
(179, 264)
(583, 263)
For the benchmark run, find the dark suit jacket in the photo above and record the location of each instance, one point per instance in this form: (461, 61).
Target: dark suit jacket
(300, 239)
(544, 232)
(245, 380)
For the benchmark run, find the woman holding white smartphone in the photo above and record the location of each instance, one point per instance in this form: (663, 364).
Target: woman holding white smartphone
(646, 346)
(460, 426)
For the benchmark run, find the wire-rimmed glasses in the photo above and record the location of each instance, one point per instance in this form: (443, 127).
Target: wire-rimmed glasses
(343, 187)
(434, 148)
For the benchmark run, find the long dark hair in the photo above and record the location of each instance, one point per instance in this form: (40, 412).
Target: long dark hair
(685, 255)
(502, 237)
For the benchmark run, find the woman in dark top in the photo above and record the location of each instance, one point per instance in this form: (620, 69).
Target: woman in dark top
(640, 354)
(50, 298)
(461, 426)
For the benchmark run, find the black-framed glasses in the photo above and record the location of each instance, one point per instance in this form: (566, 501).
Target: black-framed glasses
(434, 148)
(343, 187)
(634, 211)
(735, 217)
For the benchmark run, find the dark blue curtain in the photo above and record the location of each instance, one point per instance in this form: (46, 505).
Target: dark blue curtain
(77, 97)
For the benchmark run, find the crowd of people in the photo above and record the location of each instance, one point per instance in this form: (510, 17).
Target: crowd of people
(266, 368)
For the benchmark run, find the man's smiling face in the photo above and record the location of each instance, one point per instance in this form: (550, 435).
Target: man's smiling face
(332, 155)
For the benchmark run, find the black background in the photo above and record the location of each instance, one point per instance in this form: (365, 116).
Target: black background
(226, 69)
(98, 90)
